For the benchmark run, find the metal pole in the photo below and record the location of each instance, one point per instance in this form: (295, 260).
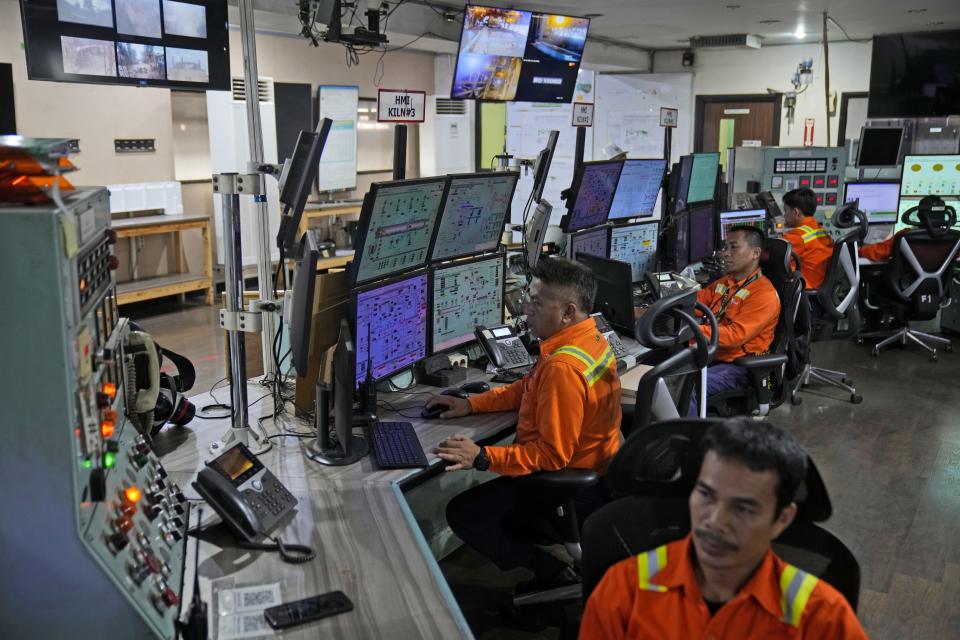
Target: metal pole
(233, 267)
(255, 136)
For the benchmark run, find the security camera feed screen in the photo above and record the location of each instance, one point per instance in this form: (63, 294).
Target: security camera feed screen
(156, 43)
(510, 55)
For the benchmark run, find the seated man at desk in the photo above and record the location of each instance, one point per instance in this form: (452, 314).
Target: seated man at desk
(723, 580)
(568, 416)
(810, 242)
(747, 309)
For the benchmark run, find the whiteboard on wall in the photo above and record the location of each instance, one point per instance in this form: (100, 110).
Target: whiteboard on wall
(338, 164)
(628, 113)
(528, 126)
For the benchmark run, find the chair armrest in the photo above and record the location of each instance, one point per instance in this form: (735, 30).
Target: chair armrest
(759, 368)
(570, 481)
(769, 361)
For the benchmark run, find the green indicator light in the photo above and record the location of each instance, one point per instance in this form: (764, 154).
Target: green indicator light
(87, 463)
(109, 459)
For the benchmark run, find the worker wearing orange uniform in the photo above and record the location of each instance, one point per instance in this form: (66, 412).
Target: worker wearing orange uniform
(723, 580)
(568, 416)
(810, 242)
(747, 309)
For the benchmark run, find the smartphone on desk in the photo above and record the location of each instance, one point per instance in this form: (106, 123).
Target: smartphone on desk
(503, 347)
(307, 610)
(244, 493)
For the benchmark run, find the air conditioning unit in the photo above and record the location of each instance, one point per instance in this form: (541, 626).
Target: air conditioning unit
(446, 138)
(737, 41)
(230, 152)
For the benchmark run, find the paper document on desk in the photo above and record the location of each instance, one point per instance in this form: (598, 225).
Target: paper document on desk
(240, 611)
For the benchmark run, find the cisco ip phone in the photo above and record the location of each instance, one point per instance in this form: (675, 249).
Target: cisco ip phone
(619, 351)
(503, 347)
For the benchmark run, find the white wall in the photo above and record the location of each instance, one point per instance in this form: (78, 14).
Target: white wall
(752, 71)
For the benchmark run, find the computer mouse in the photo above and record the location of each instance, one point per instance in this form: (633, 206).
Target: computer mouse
(478, 386)
(456, 393)
(432, 412)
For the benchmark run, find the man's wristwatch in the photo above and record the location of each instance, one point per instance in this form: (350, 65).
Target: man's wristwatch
(482, 461)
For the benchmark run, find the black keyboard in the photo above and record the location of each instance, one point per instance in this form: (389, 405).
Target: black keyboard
(395, 446)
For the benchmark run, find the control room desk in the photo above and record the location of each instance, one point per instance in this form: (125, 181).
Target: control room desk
(367, 542)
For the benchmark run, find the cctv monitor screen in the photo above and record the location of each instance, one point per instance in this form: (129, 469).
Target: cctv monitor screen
(472, 216)
(933, 175)
(635, 244)
(591, 242)
(146, 43)
(703, 177)
(395, 228)
(512, 55)
(753, 217)
(637, 190)
(702, 231)
(878, 200)
(879, 147)
(594, 186)
(463, 296)
(390, 326)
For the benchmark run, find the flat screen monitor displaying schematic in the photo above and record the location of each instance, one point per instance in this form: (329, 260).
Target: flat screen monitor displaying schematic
(390, 326)
(473, 213)
(463, 296)
(395, 228)
(702, 184)
(637, 190)
(594, 185)
(703, 229)
(753, 217)
(933, 175)
(878, 200)
(592, 242)
(635, 244)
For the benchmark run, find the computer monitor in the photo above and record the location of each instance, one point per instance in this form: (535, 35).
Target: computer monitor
(536, 232)
(683, 183)
(879, 147)
(472, 215)
(703, 231)
(301, 307)
(462, 296)
(753, 217)
(395, 228)
(614, 291)
(678, 251)
(542, 168)
(878, 200)
(635, 244)
(594, 185)
(592, 241)
(390, 326)
(637, 190)
(298, 180)
(703, 177)
(930, 175)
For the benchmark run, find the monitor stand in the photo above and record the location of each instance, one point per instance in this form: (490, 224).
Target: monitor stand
(349, 447)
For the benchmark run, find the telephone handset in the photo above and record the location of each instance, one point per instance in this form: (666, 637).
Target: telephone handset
(503, 347)
(243, 492)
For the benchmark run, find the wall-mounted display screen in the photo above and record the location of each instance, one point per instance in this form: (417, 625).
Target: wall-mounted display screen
(155, 43)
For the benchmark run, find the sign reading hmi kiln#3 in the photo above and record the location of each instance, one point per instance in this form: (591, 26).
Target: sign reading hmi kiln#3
(398, 105)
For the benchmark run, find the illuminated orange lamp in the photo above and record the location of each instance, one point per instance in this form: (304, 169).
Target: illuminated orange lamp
(109, 388)
(131, 494)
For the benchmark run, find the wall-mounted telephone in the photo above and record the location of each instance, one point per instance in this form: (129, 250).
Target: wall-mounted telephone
(244, 493)
(619, 351)
(503, 347)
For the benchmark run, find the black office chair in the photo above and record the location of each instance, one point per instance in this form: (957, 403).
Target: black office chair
(917, 279)
(769, 384)
(837, 298)
(654, 473)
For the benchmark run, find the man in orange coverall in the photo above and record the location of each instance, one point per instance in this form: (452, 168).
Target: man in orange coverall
(810, 242)
(747, 308)
(723, 580)
(568, 416)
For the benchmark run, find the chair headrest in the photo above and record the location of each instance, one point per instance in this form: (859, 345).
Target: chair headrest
(931, 214)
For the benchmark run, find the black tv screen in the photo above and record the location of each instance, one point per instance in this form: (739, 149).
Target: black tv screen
(180, 44)
(915, 75)
(509, 55)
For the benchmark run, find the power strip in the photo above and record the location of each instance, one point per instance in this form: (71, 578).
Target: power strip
(457, 360)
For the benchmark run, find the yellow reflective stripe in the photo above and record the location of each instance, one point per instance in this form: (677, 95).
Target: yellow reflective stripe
(594, 374)
(577, 353)
(809, 233)
(721, 289)
(742, 294)
(795, 589)
(594, 369)
(648, 565)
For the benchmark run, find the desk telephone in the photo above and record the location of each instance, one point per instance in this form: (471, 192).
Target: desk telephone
(619, 351)
(243, 492)
(503, 347)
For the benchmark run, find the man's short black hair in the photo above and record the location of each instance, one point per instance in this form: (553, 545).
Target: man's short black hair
(760, 446)
(560, 272)
(803, 199)
(754, 236)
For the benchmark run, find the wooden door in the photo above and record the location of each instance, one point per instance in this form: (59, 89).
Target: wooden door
(736, 121)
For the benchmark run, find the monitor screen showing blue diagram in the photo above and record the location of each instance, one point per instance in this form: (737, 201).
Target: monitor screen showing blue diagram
(592, 242)
(590, 204)
(390, 326)
(464, 296)
(473, 214)
(638, 188)
(635, 244)
(396, 225)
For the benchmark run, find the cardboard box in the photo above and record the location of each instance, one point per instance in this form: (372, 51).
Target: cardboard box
(330, 304)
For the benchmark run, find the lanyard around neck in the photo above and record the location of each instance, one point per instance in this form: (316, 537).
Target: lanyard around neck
(727, 295)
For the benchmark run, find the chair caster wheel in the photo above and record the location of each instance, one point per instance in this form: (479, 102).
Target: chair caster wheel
(796, 400)
(859, 340)
(933, 358)
(948, 348)
(856, 398)
(874, 353)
